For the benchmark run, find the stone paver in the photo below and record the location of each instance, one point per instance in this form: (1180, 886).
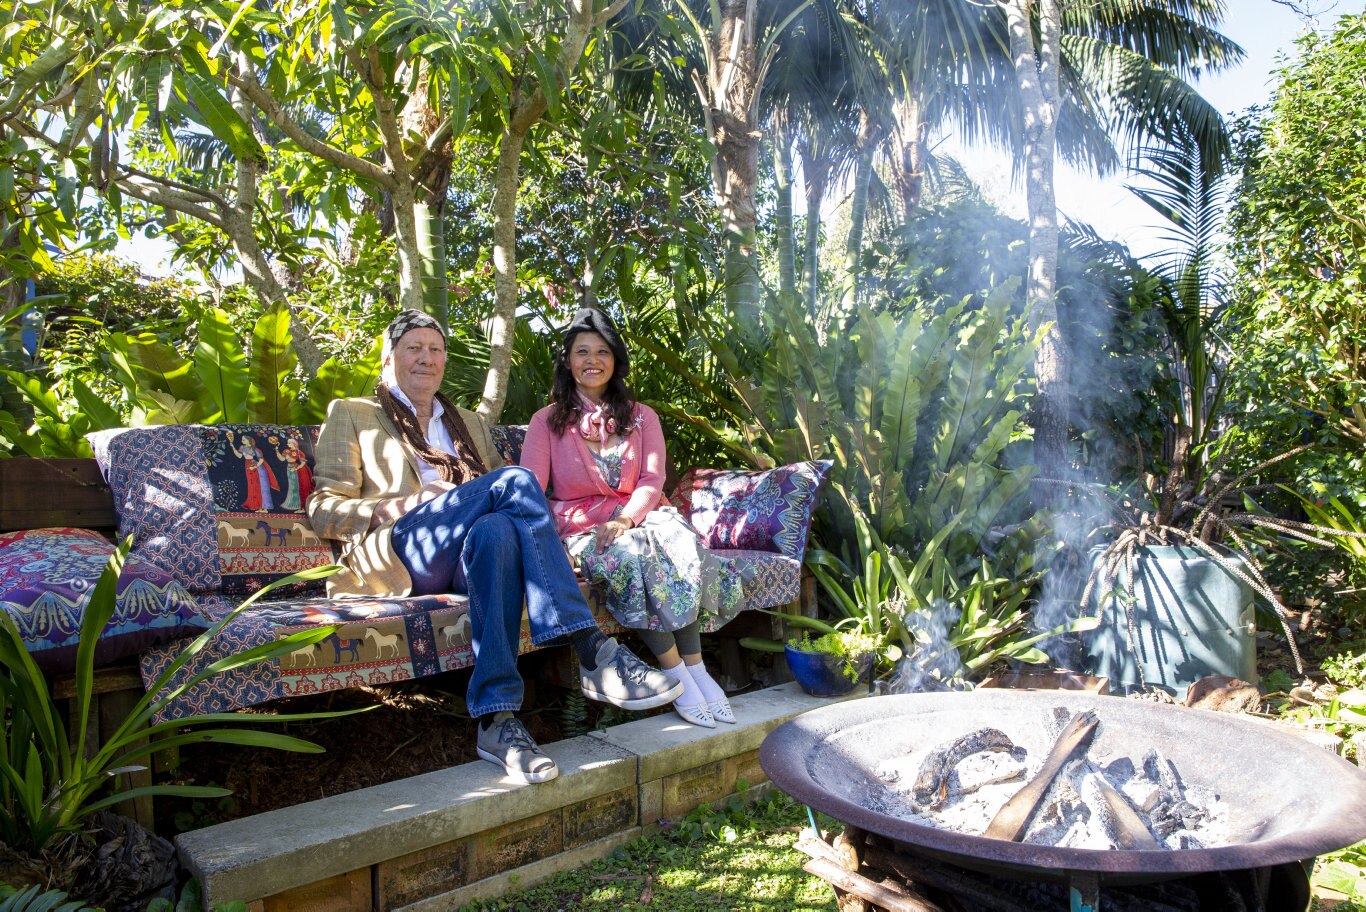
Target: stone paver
(438, 840)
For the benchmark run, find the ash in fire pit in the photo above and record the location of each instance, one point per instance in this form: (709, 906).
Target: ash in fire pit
(1085, 800)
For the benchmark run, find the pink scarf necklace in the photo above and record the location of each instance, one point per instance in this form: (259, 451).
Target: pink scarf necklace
(595, 421)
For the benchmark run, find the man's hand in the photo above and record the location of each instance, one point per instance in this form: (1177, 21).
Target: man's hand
(392, 508)
(611, 530)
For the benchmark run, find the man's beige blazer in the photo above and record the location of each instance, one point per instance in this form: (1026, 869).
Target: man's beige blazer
(361, 460)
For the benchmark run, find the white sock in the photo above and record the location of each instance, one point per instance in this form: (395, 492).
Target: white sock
(711, 691)
(692, 695)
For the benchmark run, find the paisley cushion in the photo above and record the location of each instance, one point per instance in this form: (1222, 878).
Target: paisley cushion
(219, 507)
(46, 578)
(766, 510)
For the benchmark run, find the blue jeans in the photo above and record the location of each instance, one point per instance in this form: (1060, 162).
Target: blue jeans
(494, 540)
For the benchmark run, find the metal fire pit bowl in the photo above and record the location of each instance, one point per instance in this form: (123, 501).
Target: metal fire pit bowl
(1287, 800)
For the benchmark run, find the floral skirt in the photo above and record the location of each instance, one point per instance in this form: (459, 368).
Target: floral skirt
(659, 576)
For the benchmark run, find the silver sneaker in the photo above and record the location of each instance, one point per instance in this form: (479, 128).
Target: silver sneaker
(624, 680)
(508, 744)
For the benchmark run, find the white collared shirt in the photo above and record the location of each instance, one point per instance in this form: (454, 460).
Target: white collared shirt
(437, 435)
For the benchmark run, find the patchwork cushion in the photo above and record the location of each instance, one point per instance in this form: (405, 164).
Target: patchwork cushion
(766, 510)
(767, 579)
(46, 578)
(220, 507)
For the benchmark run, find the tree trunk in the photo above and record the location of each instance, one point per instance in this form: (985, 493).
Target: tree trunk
(731, 99)
(1036, 73)
(787, 255)
(815, 172)
(858, 212)
(255, 266)
(504, 319)
(524, 113)
(908, 162)
(431, 177)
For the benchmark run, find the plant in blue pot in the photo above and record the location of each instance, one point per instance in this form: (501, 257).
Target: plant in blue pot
(832, 663)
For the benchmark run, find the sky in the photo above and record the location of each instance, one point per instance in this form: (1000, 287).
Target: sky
(1265, 29)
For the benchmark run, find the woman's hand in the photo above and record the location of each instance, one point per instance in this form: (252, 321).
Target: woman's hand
(611, 530)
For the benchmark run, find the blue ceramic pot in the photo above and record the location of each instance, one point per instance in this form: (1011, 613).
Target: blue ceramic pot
(822, 674)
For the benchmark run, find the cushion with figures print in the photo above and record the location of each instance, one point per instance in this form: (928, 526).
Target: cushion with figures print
(221, 507)
(768, 510)
(46, 578)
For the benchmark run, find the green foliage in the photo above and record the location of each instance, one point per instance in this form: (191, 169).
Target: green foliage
(1189, 192)
(49, 783)
(1296, 243)
(159, 385)
(191, 899)
(916, 412)
(36, 899)
(1344, 871)
(960, 247)
(932, 609)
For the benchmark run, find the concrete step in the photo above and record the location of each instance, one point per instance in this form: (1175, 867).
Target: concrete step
(445, 838)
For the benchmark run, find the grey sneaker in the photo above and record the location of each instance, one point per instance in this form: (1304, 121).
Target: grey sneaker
(624, 680)
(508, 744)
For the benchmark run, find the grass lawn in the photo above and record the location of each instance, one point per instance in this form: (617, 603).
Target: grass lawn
(743, 858)
(736, 858)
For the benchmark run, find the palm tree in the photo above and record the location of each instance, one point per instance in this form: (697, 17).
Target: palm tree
(1191, 195)
(1126, 61)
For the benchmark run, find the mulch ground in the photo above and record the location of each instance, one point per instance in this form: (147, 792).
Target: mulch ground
(401, 730)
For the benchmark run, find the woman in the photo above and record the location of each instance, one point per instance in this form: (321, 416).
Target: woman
(260, 478)
(300, 479)
(414, 492)
(601, 456)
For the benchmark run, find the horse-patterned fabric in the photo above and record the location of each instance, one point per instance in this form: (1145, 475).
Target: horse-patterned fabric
(261, 477)
(766, 510)
(220, 507)
(377, 641)
(47, 577)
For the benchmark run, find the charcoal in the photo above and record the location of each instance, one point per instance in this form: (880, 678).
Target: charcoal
(1121, 770)
(932, 785)
(1189, 841)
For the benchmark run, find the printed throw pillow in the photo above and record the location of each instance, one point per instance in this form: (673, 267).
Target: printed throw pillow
(220, 507)
(767, 510)
(46, 578)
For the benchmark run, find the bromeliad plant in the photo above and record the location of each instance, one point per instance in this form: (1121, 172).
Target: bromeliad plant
(49, 785)
(900, 604)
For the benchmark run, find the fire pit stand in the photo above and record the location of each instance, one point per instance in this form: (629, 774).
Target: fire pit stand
(868, 872)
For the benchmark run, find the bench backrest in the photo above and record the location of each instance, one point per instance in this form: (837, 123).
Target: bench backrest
(42, 492)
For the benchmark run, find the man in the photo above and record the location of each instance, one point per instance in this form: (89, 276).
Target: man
(414, 491)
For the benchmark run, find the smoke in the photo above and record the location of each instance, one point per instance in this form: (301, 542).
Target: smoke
(935, 664)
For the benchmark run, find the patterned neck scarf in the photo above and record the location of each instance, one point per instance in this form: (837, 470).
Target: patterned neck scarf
(595, 421)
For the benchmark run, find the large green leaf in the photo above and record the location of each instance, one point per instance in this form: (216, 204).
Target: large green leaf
(273, 391)
(221, 119)
(222, 368)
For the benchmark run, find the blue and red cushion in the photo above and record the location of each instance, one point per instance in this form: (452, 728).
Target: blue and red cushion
(768, 510)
